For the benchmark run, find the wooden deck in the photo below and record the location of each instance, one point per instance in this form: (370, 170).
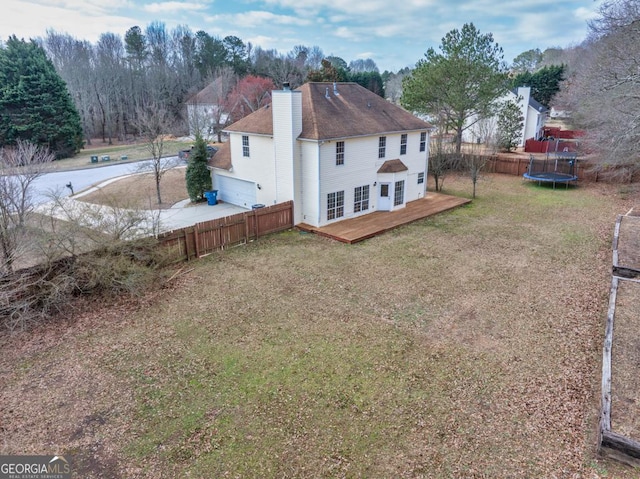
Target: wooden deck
(372, 224)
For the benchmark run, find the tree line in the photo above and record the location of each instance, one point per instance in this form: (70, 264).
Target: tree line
(112, 80)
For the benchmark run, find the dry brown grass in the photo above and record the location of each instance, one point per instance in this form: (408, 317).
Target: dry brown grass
(466, 345)
(139, 191)
(625, 369)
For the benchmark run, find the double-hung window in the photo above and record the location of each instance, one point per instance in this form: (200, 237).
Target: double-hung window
(245, 145)
(423, 141)
(421, 178)
(361, 199)
(382, 147)
(335, 205)
(403, 144)
(340, 153)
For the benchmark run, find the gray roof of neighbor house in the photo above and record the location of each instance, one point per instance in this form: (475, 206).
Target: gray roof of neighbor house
(537, 105)
(206, 96)
(353, 111)
(533, 103)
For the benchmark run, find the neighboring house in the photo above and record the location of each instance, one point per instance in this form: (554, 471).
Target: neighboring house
(337, 150)
(559, 111)
(534, 115)
(203, 112)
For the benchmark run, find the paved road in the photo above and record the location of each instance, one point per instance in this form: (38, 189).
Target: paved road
(55, 182)
(181, 215)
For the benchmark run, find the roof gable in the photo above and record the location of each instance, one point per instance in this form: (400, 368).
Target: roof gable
(349, 110)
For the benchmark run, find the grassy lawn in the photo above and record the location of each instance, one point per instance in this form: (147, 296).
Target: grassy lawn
(139, 191)
(133, 152)
(466, 345)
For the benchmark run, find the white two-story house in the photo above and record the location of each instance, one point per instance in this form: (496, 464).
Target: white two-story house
(337, 150)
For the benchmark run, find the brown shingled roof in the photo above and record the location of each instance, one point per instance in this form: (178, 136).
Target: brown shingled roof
(260, 122)
(354, 111)
(392, 166)
(222, 158)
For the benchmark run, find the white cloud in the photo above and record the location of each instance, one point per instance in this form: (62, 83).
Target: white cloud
(365, 55)
(259, 18)
(171, 7)
(585, 14)
(85, 20)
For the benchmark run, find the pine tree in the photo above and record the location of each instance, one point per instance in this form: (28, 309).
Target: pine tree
(198, 176)
(510, 123)
(35, 104)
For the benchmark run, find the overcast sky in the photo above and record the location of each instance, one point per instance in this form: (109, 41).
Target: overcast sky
(394, 34)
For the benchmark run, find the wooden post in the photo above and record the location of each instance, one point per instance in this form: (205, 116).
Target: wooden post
(255, 220)
(605, 418)
(196, 240)
(186, 244)
(621, 448)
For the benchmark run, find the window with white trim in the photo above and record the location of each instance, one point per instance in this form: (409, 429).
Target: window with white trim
(403, 144)
(398, 194)
(382, 147)
(421, 177)
(361, 198)
(423, 141)
(245, 145)
(335, 205)
(339, 152)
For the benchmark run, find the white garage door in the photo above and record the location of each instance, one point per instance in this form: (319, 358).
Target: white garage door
(235, 191)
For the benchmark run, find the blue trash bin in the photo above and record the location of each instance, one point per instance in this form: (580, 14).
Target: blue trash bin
(212, 197)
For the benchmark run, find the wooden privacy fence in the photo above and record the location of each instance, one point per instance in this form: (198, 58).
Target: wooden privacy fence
(517, 166)
(209, 236)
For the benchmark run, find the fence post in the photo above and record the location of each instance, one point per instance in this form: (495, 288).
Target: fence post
(255, 223)
(196, 240)
(186, 244)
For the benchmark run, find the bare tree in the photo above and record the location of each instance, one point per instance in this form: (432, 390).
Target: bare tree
(20, 166)
(153, 124)
(474, 162)
(603, 88)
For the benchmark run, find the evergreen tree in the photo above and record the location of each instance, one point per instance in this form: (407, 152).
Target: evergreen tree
(461, 82)
(35, 104)
(328, 72)
(510, 123)
(198, 176)
(372, 81)
(544, 83)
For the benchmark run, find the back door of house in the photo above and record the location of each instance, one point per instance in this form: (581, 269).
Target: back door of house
(384, 197)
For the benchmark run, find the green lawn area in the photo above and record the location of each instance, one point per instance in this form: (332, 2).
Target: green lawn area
(466, 345)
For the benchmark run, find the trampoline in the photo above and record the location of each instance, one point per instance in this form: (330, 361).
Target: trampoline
(559, 169)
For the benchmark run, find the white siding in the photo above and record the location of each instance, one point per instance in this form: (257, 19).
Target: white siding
(309, 184)
(258, 168)
(360, 168)
(287, 126)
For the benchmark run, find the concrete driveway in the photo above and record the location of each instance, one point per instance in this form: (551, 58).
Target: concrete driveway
(185, 214)
(180, 215)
